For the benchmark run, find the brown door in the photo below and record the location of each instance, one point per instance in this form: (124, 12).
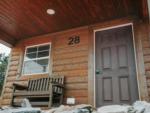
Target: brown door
(115, 67)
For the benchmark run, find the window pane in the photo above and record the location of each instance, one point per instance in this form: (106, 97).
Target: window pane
(34, 62)
(42, 62)
(30, 67)
(30, 56)
(33, 49)
(43, 48)
(35, 67)
(43, 54)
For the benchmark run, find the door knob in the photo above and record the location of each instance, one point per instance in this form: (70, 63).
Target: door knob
(98, 71)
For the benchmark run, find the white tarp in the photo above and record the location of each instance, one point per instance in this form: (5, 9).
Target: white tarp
(142, 107)
(83, 108)
(137, 107)
(115, 109)
(26, 108)
(21, 110)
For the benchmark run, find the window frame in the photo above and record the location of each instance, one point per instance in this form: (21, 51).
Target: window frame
(49, 56)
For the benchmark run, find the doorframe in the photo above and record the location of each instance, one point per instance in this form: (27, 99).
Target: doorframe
(135, 55)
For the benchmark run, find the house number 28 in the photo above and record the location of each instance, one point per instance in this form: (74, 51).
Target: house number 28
(74, 40)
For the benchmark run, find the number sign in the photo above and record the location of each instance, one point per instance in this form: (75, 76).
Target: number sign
(74, 40)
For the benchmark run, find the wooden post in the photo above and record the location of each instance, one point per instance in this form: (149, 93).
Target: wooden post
(148, 2)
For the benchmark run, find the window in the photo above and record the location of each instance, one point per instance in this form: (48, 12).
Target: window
(36, 60)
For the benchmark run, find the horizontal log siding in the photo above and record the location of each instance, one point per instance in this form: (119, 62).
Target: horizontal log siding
(72, 62)
(146, 53)
(11, 76)
(144, 34)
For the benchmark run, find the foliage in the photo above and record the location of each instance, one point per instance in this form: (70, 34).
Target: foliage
(3, 66)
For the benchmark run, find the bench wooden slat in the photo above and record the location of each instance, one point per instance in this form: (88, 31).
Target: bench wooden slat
(37, 88)
(24, 93)
(29, 85)
(39, 103)
(42, 87)
(34, 86)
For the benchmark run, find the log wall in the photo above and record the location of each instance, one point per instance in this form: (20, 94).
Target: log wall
(68, 60)
(145, 39)
(72, 61)
(12, 73)
(141, 43)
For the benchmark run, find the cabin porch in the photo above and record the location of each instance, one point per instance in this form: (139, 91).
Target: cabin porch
(72, 42)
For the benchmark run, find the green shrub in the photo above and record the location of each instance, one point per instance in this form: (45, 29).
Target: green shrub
(3, 67)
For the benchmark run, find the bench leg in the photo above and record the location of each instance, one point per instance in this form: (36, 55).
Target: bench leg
(12, 100)
(61, 97)
(50, 97)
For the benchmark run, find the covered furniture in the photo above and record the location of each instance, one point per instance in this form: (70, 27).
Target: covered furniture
(41, 92)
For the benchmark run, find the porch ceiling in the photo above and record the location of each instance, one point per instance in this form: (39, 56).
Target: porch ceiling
(21, 19)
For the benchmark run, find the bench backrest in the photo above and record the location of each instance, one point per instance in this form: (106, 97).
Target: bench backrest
(43, 84)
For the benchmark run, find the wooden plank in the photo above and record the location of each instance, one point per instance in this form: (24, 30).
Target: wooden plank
(13, 68)
(7, 96)
(147, 58)
(39, 103)
(64, 39)
(25, 78)
(146, 51)
(41, 85)
(71, 55)
(72, 73)
(76, 86)
(148, 2)
(11, 78)
(14, 63)
(12, 73)
(15, 49)
(15, 53)
(139, 32)
(71, 49)
(71, 67)
(70, 61)
(8, 90)
(143, 9)
(147, 73)
(6, 38)
(14, 58)
(147, 66)
(6, 101)
(9, 84)
(76, 79)
(76, 93)
(145, 44)
(38, 85)
(44, 84)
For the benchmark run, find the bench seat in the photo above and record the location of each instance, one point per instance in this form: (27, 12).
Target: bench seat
(50, 87)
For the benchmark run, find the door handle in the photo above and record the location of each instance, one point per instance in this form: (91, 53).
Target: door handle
(98, 71)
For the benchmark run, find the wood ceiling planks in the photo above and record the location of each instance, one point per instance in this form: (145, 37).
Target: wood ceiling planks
(27, 18)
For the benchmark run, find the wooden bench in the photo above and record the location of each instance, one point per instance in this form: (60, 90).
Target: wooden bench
(41, 92)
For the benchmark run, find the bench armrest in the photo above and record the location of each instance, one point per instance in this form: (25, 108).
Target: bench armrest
(58, 85)
(19, 86)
